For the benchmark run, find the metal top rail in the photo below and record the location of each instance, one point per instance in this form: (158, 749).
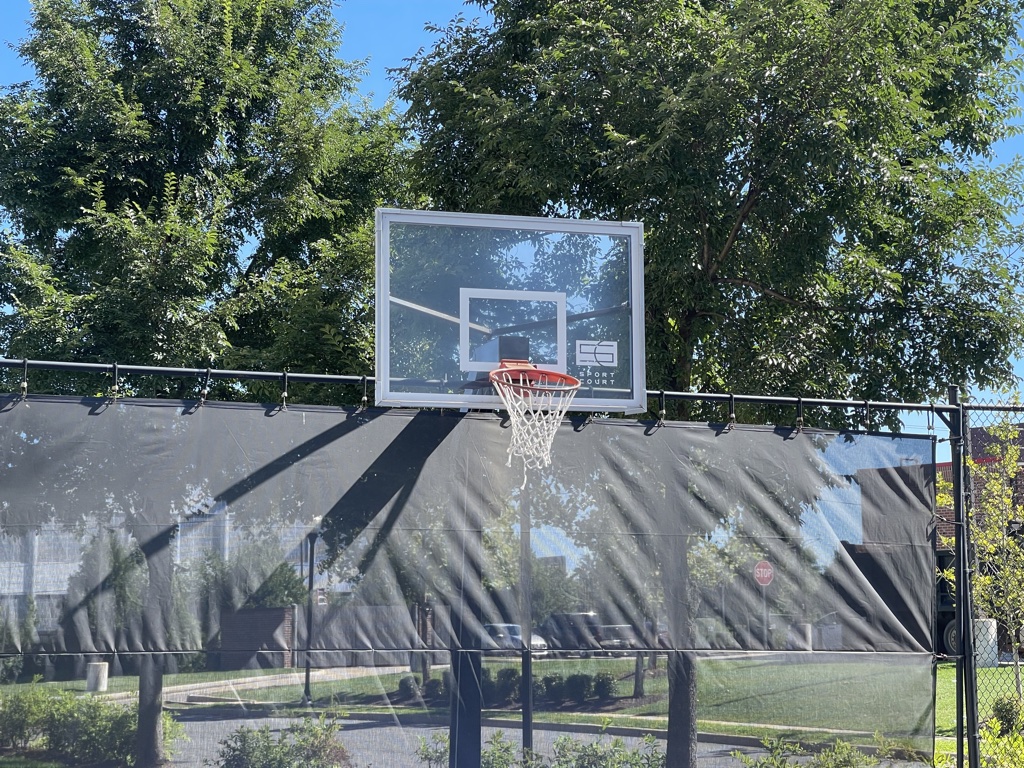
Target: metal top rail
(117, 369)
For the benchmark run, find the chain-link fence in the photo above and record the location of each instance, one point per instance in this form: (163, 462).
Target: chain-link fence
(994, 495)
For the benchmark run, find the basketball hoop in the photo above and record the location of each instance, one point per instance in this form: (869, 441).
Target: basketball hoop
(536, 401)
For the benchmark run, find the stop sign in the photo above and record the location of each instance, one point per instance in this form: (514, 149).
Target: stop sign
(764, 572)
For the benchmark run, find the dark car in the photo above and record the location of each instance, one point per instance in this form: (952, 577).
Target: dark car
(619, 639)
(573, 633)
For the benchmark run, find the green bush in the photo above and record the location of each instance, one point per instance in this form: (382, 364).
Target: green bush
(23, 716)
(1007, 710)
(604, 686)
(573, 753)
(579, 687)
(433, 689)
(309, 743)
(783, 754)
(408, 688)
(10, 668)
(554, 688)
(78, 729)
(508, 684)
(87, 730)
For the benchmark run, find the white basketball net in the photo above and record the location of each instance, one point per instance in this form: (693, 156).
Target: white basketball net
(536, 404)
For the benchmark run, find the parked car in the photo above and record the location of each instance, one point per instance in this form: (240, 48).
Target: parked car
(619, 639)
(573, 633)
(507, 638)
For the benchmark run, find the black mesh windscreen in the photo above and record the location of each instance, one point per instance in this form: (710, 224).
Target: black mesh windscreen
(740, 580)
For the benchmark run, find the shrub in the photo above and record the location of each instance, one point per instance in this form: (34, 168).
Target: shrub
(1007, 710)
(841, 755)
(579, 687)
(315, 744)
(309, 743)
(434, 752)
(10, 668)
(508, 684)
(433, 689)
(554, 688)
(778, 754)
(23, 715)
(408, 688)
(604, 686)
(572, 753)
(84, 730)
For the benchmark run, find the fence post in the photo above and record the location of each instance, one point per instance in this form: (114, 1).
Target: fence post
(967, 675)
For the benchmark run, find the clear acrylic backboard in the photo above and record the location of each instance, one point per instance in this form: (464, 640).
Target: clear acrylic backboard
(458, 292)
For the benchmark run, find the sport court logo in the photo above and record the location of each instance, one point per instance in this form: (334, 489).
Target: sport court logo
(604, 354)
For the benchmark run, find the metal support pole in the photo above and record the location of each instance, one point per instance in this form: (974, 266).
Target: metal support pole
(307, 694)
(967, 676)
(526, 619)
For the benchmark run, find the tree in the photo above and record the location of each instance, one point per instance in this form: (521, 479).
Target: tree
(190, 182)
(820, 215)
(997, 584)
(183, 180)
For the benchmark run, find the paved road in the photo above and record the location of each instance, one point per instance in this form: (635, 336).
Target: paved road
(379, 743)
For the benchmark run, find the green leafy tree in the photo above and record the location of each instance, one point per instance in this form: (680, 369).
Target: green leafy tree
(185, 182)
(821, 215)
(997, 584)
(190, 182)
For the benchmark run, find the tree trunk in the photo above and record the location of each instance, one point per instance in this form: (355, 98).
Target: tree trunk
(681, 746)
(155, 541)
(149, 739)
(638, 676)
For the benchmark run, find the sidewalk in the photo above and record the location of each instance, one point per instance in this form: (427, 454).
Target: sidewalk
(215, 690)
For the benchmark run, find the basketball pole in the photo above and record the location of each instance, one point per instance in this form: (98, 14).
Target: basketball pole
(526, 619)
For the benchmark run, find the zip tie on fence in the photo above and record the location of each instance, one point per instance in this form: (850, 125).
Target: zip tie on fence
(284, 391)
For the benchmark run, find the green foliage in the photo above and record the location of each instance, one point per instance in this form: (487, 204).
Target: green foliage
(283, 587)
(23, 715)
(434, 752)
(783, 754)
(191, 189)
(408, 688)
(434, 690)
(568, 753)
(821, 214)
(309, 742)
(574, 753)
(604, 686)
(1006, 710)
(554, 688)
(507, 685)
(579, 687)
(80, 730)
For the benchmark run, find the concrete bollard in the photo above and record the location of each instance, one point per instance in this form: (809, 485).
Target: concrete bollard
(96, 677)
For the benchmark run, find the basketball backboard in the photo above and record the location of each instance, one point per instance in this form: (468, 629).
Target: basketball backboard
(458, 292)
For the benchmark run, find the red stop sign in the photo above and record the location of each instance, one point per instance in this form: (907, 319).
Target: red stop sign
(764, 572)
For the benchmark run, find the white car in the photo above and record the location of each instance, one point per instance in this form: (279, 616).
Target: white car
(509, 637)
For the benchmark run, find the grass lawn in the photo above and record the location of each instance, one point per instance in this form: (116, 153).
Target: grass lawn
(736, 696)
(733, 694)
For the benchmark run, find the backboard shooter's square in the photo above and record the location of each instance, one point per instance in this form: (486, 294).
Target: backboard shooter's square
(456, 292)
